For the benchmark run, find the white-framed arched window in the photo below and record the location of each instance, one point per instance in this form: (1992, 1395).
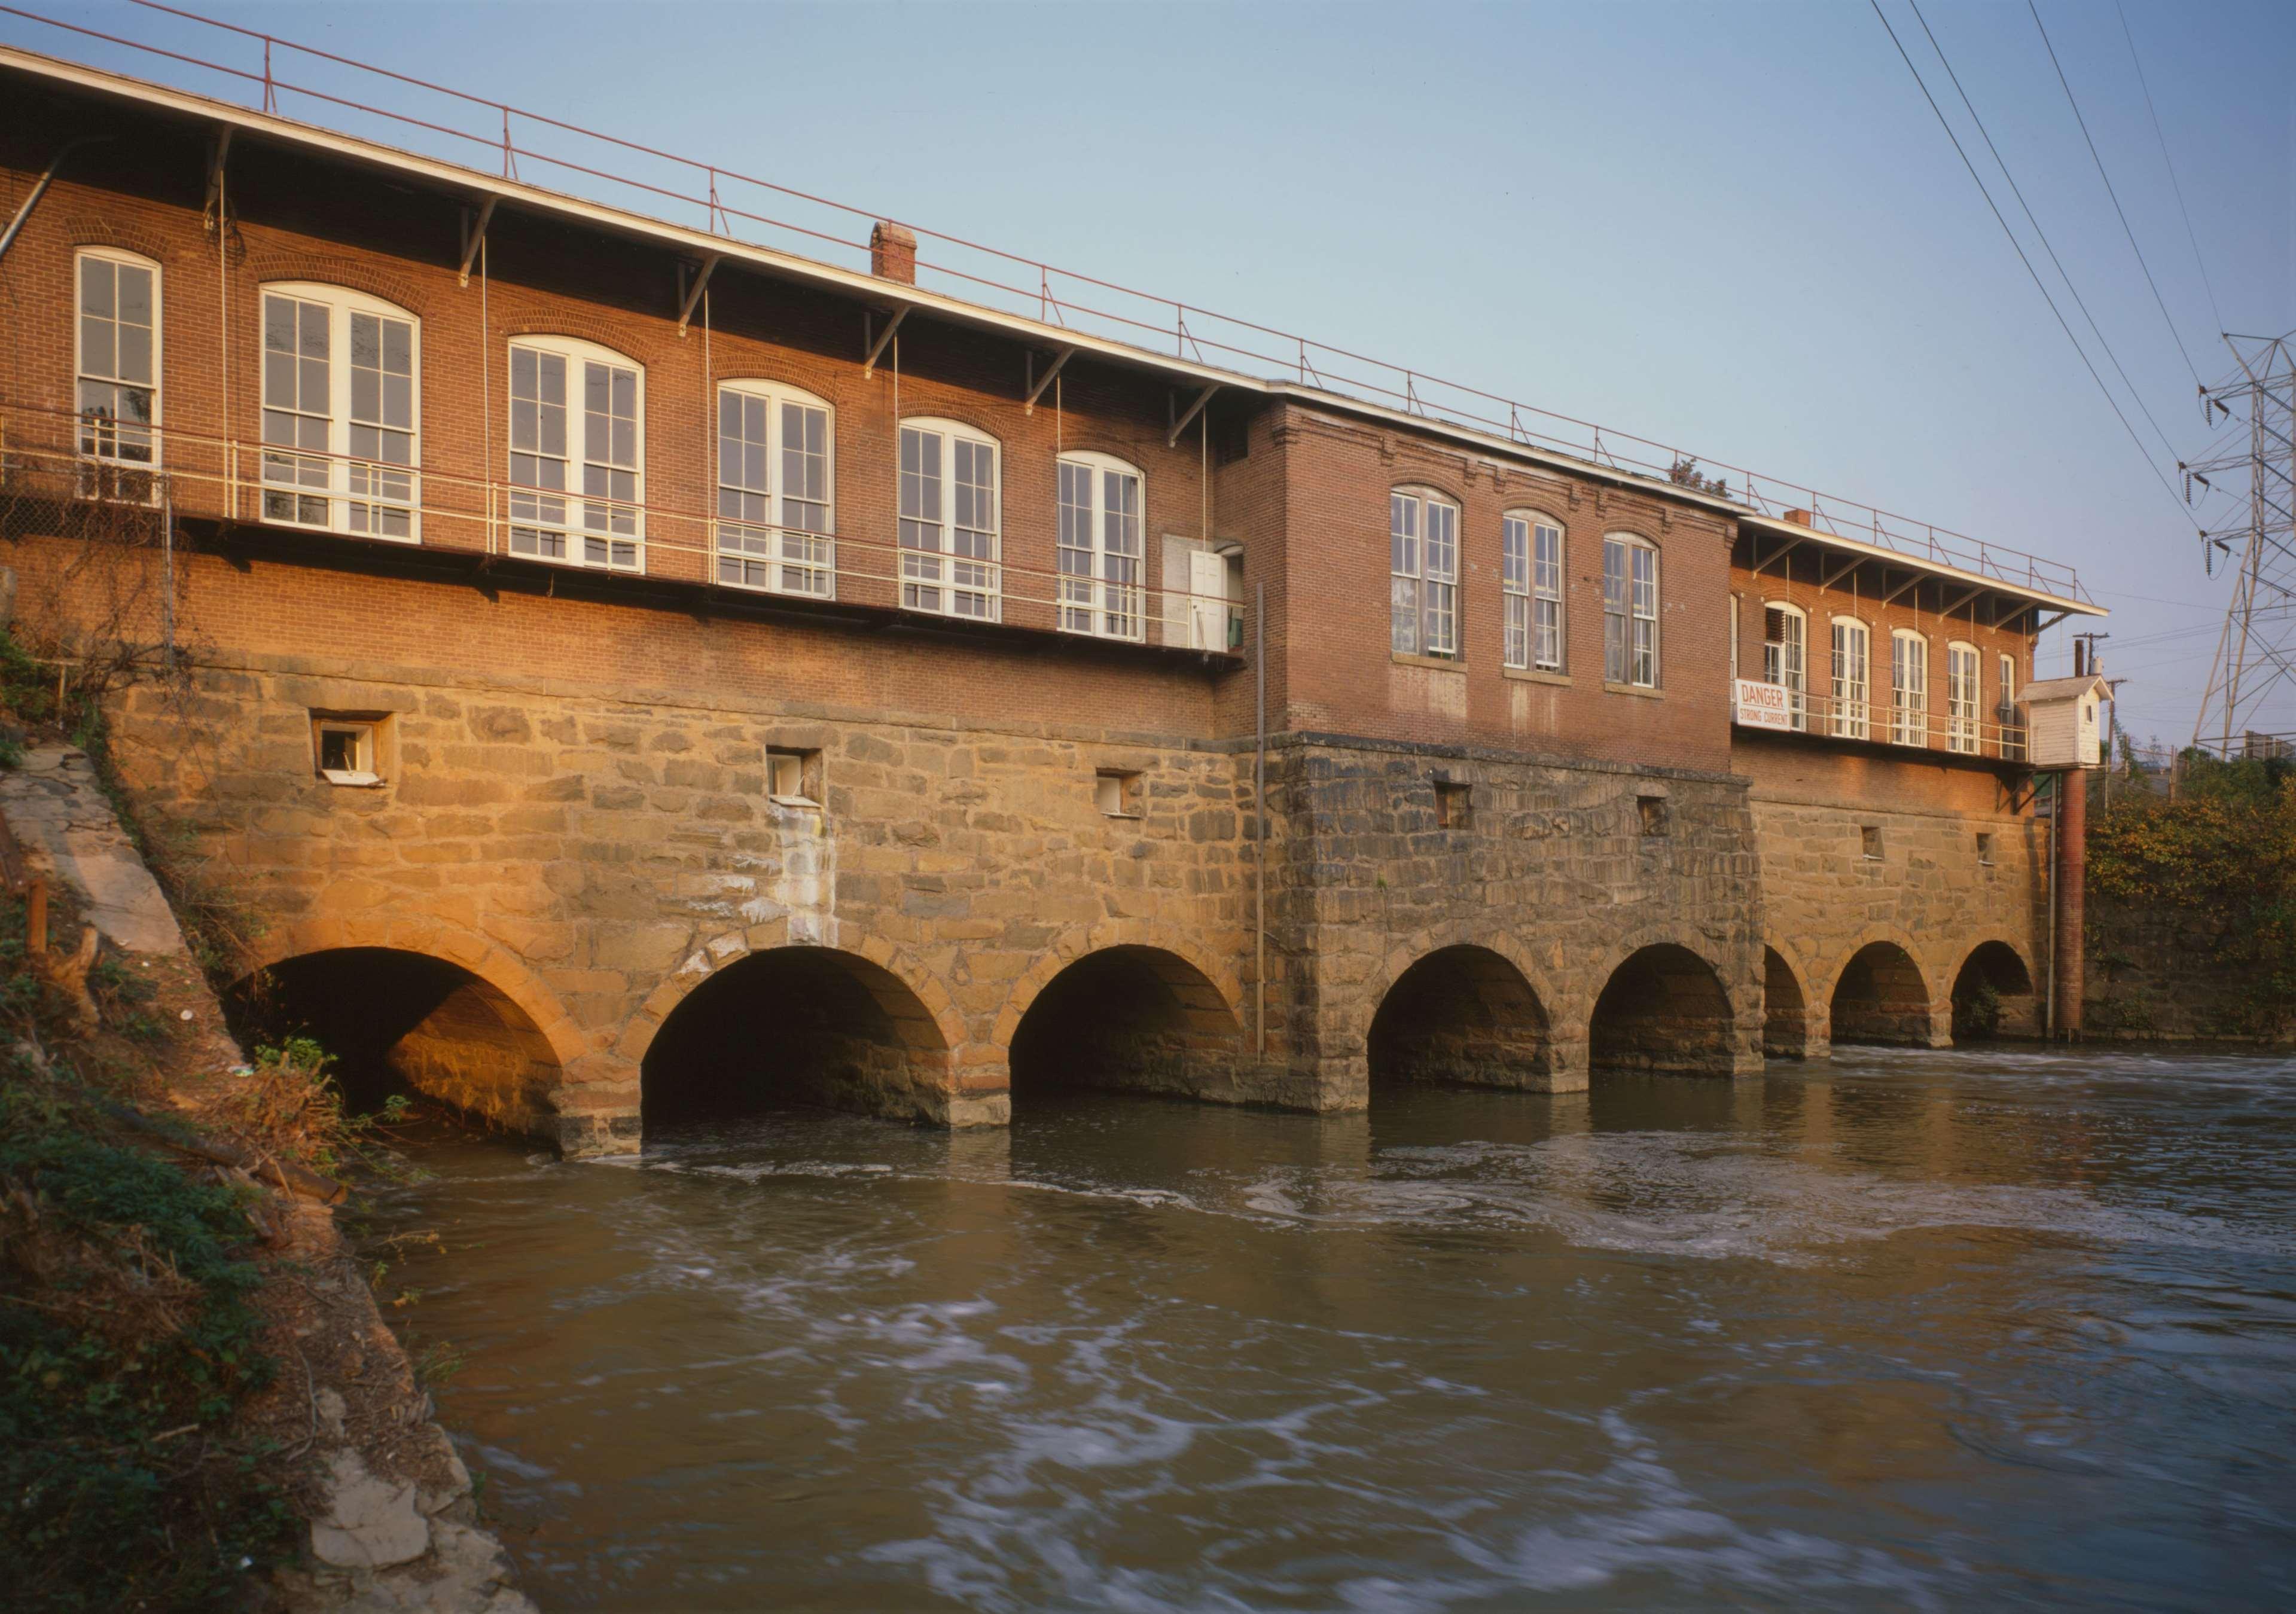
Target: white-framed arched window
(1630, 583)
(1852, 658)
(952, 501)
(1530, 583)
(1785, 656)
(1422, 542)
(1909, 688)
(577, 426)
(1961, 696)
(1102, 514)
(341, 382)
(776, 489)
(116, 356)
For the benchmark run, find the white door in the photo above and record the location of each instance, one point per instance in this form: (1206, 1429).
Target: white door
(1207, 601)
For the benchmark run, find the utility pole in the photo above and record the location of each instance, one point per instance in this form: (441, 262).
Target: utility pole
(2256, 652)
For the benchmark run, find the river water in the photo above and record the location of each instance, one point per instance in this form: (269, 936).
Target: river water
(1902, 1330)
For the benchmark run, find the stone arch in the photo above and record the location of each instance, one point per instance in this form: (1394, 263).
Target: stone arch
(1466, 1013)
(1883, 993)
(1664, 1005)
(1994, 993)
(1791, 1027)
(1130, 1007)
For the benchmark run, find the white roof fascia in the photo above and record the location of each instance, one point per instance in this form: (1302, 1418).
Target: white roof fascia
(1936, 568)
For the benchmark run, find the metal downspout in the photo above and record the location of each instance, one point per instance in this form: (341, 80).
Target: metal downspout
(16, 224)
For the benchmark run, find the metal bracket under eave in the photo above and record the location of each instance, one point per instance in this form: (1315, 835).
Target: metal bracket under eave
(884, 340)
(1965, 596)
(1830, 578)
(211, 215)
(1038, 383)
(1764, 565)
(2042, 625)
(692, 293)
(1172, 437)
(474, 235)
(1890, 598)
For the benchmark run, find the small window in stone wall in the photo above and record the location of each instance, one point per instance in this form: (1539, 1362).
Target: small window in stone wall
(1652, 812)
(347, 749)
(1118, 793)
(1869, 836)
(793, 777)
(1984, 849)
(1455, 804)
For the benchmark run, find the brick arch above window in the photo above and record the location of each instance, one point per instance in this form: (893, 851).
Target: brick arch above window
(630, 342)
(85, 230)
(332, 269)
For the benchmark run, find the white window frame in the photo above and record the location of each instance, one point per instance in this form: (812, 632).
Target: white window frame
(365, 738)
(767, 551)
(1423, 563)
(1630, 610)
(537, 514)
(1786, 662)
(1909, 688)
(1852, 678)
(1094, 594)
(935, 578)
(91, 444)
(2013, 743)
(1964, 684)
(1531, 575)
(353, 491)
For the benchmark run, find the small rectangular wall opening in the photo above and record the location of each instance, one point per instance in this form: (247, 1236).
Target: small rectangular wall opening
(1652, 812)
(346, 747)
(1118, 793)
(1985, 848)
(793, 777)
(1869, 840)
(1455, 804)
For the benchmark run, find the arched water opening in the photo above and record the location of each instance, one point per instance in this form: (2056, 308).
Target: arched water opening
(1785, 1009)
(1993, 996)
(1882, 997)
(1462, 1014)
(1663, 1009)
(797, 1026)
(396, 1020)
(1137, 1018)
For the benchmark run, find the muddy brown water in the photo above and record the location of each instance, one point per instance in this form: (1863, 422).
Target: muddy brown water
(1902, 1330)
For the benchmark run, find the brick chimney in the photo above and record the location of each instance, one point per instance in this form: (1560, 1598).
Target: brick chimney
(893, 253)
(1799, 518)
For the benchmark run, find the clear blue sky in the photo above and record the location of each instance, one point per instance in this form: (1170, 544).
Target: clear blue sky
(1738, 228)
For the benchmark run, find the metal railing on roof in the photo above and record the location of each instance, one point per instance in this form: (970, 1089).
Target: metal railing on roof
(1012, 282)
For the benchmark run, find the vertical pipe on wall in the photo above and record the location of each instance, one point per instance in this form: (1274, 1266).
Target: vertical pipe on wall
(1259, 808)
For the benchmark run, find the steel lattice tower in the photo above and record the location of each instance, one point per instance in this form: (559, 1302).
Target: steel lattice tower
(2255, 653)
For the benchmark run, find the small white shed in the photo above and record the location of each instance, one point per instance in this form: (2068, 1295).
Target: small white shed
(2061, 724)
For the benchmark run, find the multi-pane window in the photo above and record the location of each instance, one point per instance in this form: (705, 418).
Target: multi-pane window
(949, 498)
(339, 384)
(1629, 612)
(1099, 550)
(1530, 579)
(1785, 658)
(775, 500)
(1424, 565)
(2005, 711)
(1850, 661)
(573, 404)
(1961, 697)
(1909, 688)
(117, 363)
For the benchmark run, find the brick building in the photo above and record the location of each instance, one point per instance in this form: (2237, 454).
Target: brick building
(634, 670)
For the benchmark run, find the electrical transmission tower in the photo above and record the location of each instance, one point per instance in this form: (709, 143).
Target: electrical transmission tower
(2255, 653)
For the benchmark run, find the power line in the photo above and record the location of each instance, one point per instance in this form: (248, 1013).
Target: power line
(2019, 193)
(2111, 402)
(2109, 190)
(2166, 161)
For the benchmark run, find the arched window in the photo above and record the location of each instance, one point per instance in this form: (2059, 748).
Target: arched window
(1851, 658)
(951, 497)
(1530, 580)
(1909, 688)
(341, 411)
(576, 420)
(1961, 703)
(1630, 586)
(116, 356)
(776, 489)
(1785, 656)
(1423, 536)
(1102, 512)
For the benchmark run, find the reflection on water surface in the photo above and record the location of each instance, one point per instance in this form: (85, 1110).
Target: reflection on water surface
(1910, 1330)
